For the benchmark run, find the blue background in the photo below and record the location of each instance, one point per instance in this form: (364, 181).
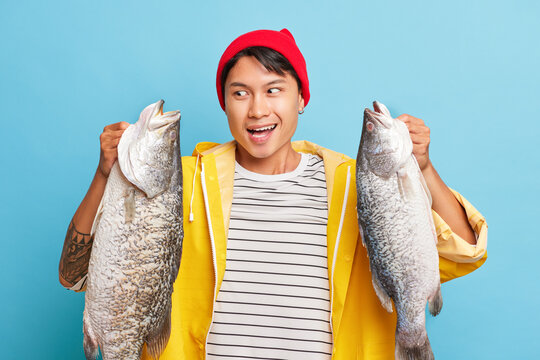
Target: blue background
(469, 69)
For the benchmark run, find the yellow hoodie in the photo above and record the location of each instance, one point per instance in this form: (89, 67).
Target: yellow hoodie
(362, 328)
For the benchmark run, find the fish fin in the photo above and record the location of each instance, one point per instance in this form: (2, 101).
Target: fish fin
(420, 352)
(386, 302)
(405, 185)
(435, 302)
(156, 342)
(423, 182)
(90, 344)
(428, 199)
(362, 233)
(129, 205)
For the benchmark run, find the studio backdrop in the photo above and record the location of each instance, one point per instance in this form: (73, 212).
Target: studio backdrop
(469, 69)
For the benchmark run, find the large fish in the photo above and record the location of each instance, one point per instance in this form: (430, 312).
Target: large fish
(138, 242)
(394, 214)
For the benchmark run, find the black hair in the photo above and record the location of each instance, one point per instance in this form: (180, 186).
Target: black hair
(269, 58)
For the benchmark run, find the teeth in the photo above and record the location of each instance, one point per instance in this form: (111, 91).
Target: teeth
(264, 128)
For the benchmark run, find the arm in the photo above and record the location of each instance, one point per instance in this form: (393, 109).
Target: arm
(444, 201)
(447, 206)
(78, 242)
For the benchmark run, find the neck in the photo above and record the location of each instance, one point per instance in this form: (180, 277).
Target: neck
(283, 161)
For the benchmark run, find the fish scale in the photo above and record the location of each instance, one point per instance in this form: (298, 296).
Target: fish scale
(137, 243)
(394, 213)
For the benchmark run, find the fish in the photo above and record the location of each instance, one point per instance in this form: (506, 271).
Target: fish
(137, 247)
(396, 223)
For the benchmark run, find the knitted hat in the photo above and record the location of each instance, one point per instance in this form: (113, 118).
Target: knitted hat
(281, 41)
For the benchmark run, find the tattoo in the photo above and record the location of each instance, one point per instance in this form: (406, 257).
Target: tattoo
(75, 255)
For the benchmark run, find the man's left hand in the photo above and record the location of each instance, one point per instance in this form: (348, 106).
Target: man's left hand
(419, 133)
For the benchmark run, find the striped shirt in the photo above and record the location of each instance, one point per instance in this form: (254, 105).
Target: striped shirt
(274, 300)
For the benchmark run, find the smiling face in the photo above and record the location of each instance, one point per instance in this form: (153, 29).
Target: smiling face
(262, 109)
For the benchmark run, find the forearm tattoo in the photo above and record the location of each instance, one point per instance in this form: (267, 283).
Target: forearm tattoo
(75, 255)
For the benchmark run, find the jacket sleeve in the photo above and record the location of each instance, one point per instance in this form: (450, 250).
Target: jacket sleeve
(456, 256)
(80, 285)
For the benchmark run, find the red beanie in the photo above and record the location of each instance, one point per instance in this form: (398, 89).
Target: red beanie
(281, 41)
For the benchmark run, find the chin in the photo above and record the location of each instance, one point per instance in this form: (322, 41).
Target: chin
(260, 153)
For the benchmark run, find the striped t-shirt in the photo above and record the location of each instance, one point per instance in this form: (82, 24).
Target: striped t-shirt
(274, 300)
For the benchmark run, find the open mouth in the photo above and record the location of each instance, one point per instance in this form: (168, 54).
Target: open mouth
(262, 131)
(376, 117)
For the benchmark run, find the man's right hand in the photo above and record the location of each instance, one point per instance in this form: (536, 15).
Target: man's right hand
(109, 139)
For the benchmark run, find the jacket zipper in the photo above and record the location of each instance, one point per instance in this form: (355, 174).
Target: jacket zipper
(209, 220)
(343, 208)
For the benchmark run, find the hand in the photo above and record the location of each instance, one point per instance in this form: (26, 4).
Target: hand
(109, 139)
(419, 133)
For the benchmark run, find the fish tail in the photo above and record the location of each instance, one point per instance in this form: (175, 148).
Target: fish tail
(420, 352)
(90, 344)
(435, 302)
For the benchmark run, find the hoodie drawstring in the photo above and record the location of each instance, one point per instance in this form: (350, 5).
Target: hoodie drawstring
(213, 243)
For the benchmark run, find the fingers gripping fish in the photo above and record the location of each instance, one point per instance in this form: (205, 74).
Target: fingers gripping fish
(394, 213)
(137, 243)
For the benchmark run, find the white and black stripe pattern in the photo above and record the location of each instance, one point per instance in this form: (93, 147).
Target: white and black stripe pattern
(274, 300)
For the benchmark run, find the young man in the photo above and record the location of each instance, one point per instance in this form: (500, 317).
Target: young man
(272, 264)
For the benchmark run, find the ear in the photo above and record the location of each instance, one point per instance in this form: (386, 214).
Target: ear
(300, 101)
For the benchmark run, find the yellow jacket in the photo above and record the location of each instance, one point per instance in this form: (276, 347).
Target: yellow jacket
(362, 328)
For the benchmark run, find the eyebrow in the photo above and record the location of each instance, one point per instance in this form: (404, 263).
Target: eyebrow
(269, 83)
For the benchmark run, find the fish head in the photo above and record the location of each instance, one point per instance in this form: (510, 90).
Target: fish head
(385, 144)
(149, 150)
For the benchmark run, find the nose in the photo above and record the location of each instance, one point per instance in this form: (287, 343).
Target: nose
(258, 107)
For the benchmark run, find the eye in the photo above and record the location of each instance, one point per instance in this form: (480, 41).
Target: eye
(370, 126)
(172, 135)
(240, 93)
(273, 92)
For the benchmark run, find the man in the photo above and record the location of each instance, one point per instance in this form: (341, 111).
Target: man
(272, 265)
